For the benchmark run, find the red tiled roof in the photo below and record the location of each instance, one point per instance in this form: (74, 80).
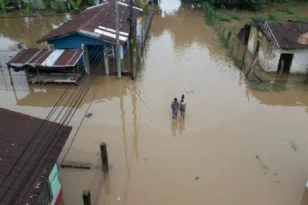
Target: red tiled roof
(16, 132)
(287, 33)
(92, 18)
(45, 57)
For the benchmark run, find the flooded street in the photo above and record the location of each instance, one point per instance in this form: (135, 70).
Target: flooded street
(236, 145)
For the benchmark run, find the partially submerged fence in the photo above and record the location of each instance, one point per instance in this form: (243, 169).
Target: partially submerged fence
(237, 51)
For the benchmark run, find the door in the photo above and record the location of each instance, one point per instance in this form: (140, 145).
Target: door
(285, 63)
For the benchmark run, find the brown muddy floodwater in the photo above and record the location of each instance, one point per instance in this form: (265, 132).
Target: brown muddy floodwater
(245, 146)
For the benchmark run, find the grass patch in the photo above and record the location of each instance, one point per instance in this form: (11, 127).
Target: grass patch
(272, 16)
(301, 18)
(290, 11)
(222, 17)
(235, 16)
(256, 16)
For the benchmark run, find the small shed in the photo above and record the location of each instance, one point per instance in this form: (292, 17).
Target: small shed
(28, 159)
(46, 65)
(93, 30)
(280, 47)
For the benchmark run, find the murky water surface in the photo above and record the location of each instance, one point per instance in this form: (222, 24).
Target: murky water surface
(236, 145)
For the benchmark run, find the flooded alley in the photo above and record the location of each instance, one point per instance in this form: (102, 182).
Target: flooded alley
(236, 145)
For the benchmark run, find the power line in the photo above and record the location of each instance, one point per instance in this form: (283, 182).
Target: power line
(71, 141)
(66, 117)
(48, 117)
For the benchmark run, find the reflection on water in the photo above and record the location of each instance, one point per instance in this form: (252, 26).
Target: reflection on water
(234, 138)
(177, 127)
(168, 7)
(28, 30)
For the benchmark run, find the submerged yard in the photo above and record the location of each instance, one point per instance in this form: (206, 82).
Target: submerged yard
(236, 19)
(237, 144)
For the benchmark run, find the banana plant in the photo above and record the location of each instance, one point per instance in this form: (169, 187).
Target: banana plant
(3, 5)
(76, 5)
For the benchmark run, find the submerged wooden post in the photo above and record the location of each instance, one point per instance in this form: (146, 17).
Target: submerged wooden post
(134, 70)
(106, 60)
(233, 45)
(104, 157)
(86, 196)
(38, 75)
(10, 75)
(243, 59)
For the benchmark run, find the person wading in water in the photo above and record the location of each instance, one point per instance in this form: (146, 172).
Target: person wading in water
(182, 106)
(175, 108)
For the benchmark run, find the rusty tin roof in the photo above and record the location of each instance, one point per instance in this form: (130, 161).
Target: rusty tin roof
(287, 33)
(16, 132)
(97, 22)
(46, 58)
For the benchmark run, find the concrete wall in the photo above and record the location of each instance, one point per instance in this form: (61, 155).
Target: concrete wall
(252, 41)
(269, 58)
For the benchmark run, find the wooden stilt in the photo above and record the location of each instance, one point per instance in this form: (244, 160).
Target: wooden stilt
(106, 60)
(104, 156)
(86, 196)
(11, 79)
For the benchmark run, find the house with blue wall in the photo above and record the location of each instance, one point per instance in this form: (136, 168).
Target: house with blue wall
(93, 31)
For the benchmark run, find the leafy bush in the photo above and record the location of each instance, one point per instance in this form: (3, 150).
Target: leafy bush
(209, 13)
(145, 7)
(256, 5)
(3, 5)
(272, 16)
(25, 10)
(59, 6)
(48, 4)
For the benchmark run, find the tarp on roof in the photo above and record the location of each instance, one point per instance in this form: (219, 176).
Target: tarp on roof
(16, 133)
(46, 58)
(97, 22)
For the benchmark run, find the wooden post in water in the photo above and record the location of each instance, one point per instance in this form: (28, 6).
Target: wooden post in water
(243, 59)
(86, 196)
(104, 157)
(9, 69)
(233, 45)
(106, 61)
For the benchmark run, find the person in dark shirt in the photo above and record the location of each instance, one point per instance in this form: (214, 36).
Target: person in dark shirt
(175, 108)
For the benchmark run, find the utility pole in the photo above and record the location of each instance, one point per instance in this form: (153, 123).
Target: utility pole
(131, 41)
(118, 58)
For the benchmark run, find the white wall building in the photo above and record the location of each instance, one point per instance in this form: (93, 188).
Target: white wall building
(280, 46)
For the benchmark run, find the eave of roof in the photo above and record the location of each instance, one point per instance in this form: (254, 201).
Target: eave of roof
(99, 16)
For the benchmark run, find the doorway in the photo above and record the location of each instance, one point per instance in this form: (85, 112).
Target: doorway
(285, 62)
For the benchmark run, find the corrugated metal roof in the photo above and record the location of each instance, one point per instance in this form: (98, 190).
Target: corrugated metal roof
(90, 20)
(287, 33)
(16, 131)
(46, 58)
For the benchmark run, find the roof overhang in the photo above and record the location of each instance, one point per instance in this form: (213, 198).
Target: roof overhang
(60, 58)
